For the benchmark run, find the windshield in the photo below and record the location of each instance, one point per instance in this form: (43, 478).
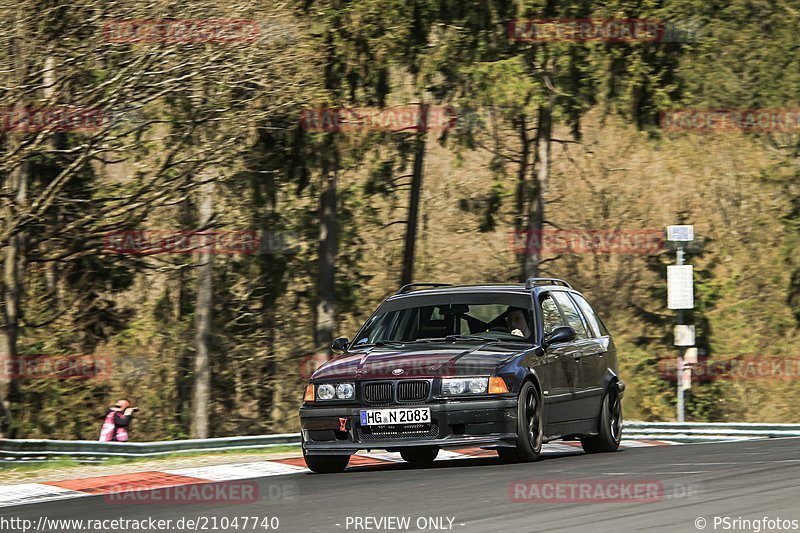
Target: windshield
(505, 317)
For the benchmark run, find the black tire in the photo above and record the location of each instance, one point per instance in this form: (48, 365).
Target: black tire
(610, 425)
(420, 455)
(326, 464)
(529, 428)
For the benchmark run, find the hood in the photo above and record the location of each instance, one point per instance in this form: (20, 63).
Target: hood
(418, 360)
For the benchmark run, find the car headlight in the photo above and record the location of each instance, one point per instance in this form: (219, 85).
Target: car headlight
(336, 391)
(344, 391)
(456, 386)
(325, 392)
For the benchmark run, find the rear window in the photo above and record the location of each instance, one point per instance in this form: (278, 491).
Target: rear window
(591, 317)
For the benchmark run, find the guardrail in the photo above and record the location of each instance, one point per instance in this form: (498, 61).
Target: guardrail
(28, 448)
(706, 431)
(632, 430)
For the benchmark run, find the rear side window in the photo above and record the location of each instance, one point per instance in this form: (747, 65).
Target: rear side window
(591, 317)
(571, 313)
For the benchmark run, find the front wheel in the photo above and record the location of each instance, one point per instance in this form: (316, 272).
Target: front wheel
(326, 464)
(610, 430)
(529, 428)
(420, 456)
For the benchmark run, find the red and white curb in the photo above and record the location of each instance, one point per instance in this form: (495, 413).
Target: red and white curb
(28, 493)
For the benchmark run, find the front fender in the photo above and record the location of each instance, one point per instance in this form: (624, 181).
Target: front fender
(611, 379)
(523, 368)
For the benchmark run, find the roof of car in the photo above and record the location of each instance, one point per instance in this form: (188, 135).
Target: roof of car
(486, 288)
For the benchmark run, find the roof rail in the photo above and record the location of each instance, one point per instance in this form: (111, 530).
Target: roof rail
(407, 288)
(532, 282)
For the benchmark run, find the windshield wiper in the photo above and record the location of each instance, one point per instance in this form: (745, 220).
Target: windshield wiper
(451, 338)
(470, 338)
(448, 338)
(379, 343)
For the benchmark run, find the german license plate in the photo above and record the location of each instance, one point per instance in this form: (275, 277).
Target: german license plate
(383, 417)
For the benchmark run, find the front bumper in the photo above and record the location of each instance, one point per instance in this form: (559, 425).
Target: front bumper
(453, 423)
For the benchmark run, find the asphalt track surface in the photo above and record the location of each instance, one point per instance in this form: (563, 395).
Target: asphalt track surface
(746, 479)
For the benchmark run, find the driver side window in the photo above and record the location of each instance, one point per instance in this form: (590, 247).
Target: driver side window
(551, 317)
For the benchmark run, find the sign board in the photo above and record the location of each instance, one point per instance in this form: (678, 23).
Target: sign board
(686, 378)
(684, 335)
(684, 233)
(680, 289)
(690, 356)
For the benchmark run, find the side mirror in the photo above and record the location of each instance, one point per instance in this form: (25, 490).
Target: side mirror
(339, 345)
(560, 334)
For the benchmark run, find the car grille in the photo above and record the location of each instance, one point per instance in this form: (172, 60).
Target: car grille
(379, 392)
(413, 391)
(408, 391)
(413, 431)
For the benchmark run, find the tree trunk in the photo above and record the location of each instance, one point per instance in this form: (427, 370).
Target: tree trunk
(57, 142)
(407, 275)
(537, 191)
(328, 244)
(270, 394)
(10, 294)
(177, 297)
(15, 189)
(8, 333)
(203, 319)
(520, 234)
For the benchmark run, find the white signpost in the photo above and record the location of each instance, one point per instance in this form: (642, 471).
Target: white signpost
(680, 296)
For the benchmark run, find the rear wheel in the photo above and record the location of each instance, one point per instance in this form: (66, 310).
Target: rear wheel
(420, 456)
(529, 428)
(610, 430)
(326, 464)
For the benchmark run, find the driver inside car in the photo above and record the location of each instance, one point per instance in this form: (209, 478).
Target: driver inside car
(516, 322)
